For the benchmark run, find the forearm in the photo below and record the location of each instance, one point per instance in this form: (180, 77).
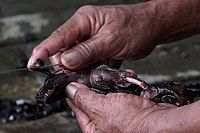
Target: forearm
(179, 18)
(180, 119)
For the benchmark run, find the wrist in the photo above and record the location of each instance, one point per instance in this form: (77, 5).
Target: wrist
(178, 119)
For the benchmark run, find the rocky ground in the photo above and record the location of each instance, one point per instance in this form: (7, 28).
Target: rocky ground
(19, 20)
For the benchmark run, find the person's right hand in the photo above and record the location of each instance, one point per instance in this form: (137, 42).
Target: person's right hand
(96, 33)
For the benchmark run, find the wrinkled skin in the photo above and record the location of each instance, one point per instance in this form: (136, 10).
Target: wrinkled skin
(123, 31)
(99, 33)
(120, 112)
(127, 112)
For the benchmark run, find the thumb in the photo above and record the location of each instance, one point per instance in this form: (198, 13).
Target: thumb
(84, 53)
(85, 99)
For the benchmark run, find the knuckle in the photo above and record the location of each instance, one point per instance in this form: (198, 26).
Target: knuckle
(113, 10)
(86, 8)
(88, 48)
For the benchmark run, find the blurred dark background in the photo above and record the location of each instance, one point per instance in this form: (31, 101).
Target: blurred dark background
(25, 23)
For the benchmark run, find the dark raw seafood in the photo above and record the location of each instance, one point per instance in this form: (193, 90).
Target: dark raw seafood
(107, 80)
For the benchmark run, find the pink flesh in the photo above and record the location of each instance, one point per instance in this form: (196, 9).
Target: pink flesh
(137, 82)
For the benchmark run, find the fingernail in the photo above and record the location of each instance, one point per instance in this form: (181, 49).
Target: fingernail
(72, 58)
(39, 62)
(32, 64)
(71, 91)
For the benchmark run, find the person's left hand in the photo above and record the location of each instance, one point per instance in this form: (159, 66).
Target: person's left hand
(114, 112)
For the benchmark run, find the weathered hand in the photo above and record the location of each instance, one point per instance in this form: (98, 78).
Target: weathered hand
(99, 33)
(123, 31)
(114, 112)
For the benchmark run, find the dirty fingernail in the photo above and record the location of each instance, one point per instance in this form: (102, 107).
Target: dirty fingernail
(39, 63)
(71, 91)
(32, 63)
(72, 58)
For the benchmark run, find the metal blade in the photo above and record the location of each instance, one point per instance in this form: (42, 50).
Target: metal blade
(2, 71)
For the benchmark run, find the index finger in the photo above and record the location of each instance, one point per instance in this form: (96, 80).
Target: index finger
(63, 37)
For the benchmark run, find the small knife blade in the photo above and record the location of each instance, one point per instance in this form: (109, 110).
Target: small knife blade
(4, 71)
